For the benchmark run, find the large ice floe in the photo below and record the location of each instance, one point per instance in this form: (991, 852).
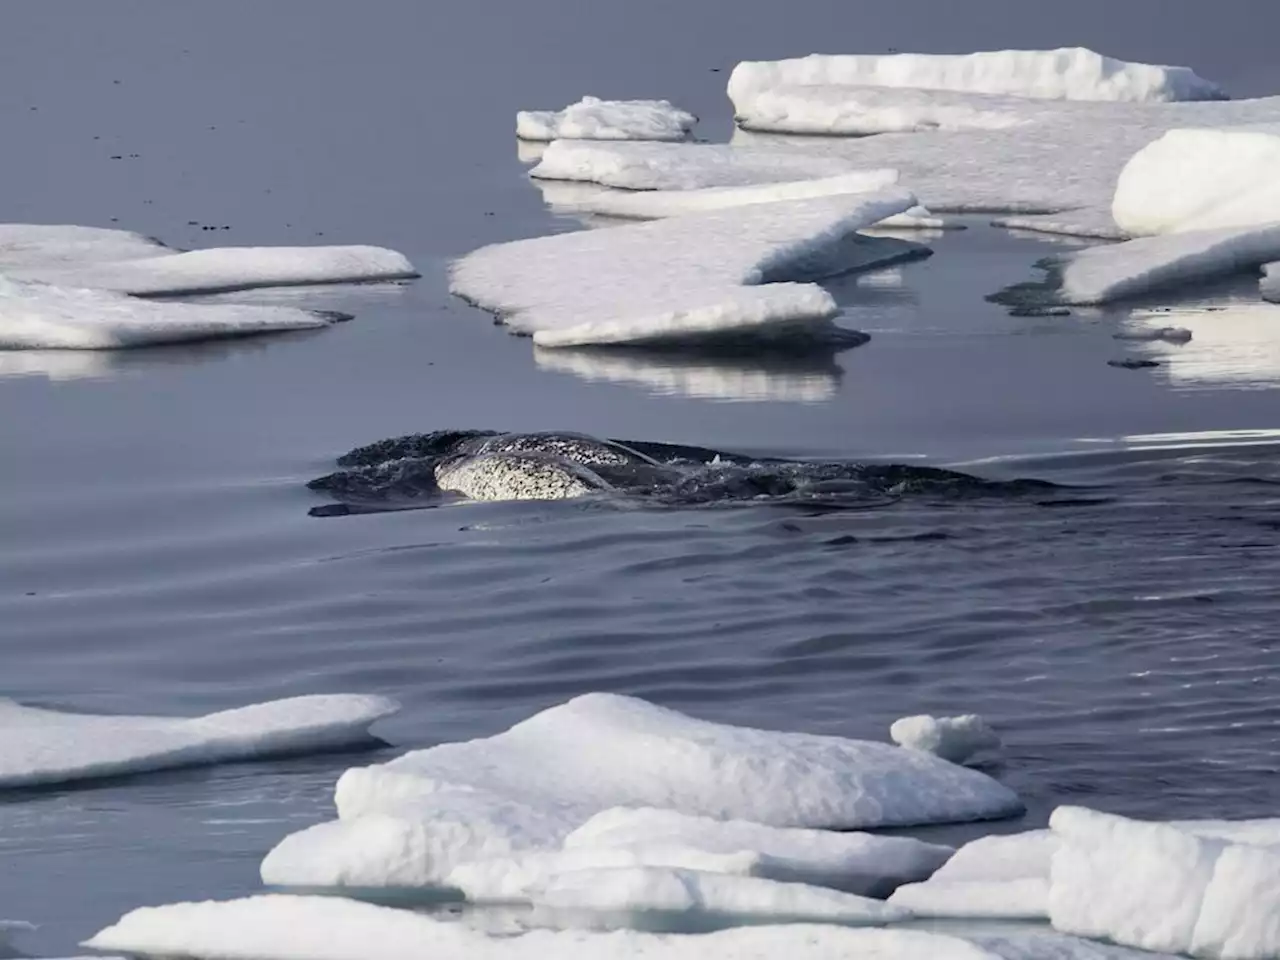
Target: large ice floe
(69, 287)
(594, 119)
(431, 819)
(279, 927)
(39, 746)
(1154, 886)
(730, 271)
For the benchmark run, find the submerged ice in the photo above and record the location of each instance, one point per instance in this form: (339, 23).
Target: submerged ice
(39, 746)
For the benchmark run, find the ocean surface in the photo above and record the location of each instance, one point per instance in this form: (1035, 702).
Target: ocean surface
(158, 555)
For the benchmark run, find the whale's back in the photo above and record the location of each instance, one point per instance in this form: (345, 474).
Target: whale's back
(517, 476)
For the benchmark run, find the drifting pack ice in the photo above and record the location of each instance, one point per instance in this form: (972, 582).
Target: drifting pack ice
(594, 119)
(78, 288)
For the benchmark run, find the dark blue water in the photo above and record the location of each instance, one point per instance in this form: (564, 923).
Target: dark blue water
(159, 556)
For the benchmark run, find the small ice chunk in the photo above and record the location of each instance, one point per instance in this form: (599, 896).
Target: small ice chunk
(40, 746)
(37, 316)
(685, 166)
(701, 897)
(1069, 73)
(1201, 179)
(951, 738)
(222, 269)
(856, 862)
(594, 119)
(277, 927)
(685, 278)
(1158, 887)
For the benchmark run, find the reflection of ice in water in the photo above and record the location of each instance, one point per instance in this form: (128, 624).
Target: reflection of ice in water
(1236, 345)
(56, 364)
(801, 379)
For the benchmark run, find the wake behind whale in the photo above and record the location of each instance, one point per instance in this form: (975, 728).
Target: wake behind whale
(425, 469)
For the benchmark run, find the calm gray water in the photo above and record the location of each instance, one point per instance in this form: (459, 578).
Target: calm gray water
(158, 552)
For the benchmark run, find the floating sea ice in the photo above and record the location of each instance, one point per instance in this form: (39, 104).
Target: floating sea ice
(696, 898)
(1069, 73)
(410, 822)
(1201, 179)
(951, 738)
(1157, 887)
(47, 246)
(37, 316)
(594, 119)
(857, 862)
(1270, 284)
(684, 278)
(1110, 272)
(325, 928)
(996, 877)
(11, 929)
(40, 746)
(686, 166)
(222, 269)
(656, 204)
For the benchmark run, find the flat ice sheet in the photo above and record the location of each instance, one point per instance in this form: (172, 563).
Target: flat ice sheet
(1110, 272)
(412, 822)
(325, 928)
(37, 316)
(222, 269)
(684, 278)
(53, 245)
(40, 746)
(1068, 73)
(594, 119)
(670, 166)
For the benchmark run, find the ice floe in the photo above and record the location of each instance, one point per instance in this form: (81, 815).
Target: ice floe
(685, 278)
(692, 899)
(411, 822)
(39, 746)
(47, 246)
(1201, 179)
(1109, 272)
(953, 738)
(856, 862)
(656, 204)
(37, 316)
(280, 927)
(995, 877)
(1157, 887)
(594, 119)
(10, 930)
(689, 166)
(1068, 73)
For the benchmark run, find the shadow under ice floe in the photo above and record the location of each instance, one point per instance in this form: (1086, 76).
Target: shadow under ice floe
(420, 469)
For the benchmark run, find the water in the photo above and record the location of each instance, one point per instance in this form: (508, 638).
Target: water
(159, 552)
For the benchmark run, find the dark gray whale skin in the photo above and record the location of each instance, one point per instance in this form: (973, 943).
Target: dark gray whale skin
(401, 473)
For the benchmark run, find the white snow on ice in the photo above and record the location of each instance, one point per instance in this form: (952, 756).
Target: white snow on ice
(997, 877)
(1068, 73)
(682, 278)
(594, 119)
(277, 927)
(952, 738)
(686, 166)
(410, 822)
(1158, 887)
(1201, 179)
(628, 893)
(39, 746)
